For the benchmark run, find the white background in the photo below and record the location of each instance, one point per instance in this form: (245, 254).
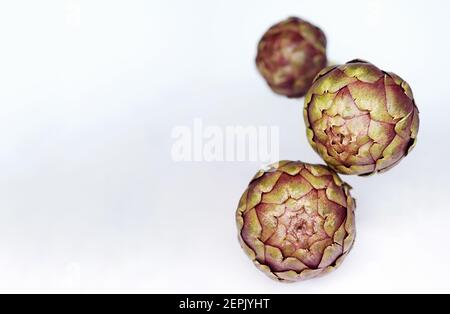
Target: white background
(90, 199)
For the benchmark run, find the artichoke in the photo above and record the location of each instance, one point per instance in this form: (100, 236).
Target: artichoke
(289, 56)
(359, 118)
(296, 220)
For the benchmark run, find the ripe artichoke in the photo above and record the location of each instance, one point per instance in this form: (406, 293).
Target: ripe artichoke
(296, 220)
(359, 118)
(290, 54)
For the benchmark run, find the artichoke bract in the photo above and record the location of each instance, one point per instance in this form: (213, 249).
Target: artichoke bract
(290, 54)
(296, 220)
(359, 118)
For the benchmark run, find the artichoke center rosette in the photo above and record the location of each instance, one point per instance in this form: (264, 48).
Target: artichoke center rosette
(296, 220)
(289, 56)
(359, 118)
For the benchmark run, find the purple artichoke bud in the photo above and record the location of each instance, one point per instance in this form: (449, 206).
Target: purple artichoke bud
(290, 54)
(359, 118)
(296, 220)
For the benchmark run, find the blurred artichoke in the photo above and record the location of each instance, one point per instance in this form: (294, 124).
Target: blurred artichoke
(296, 220)
(290, 54)
(359, 118)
